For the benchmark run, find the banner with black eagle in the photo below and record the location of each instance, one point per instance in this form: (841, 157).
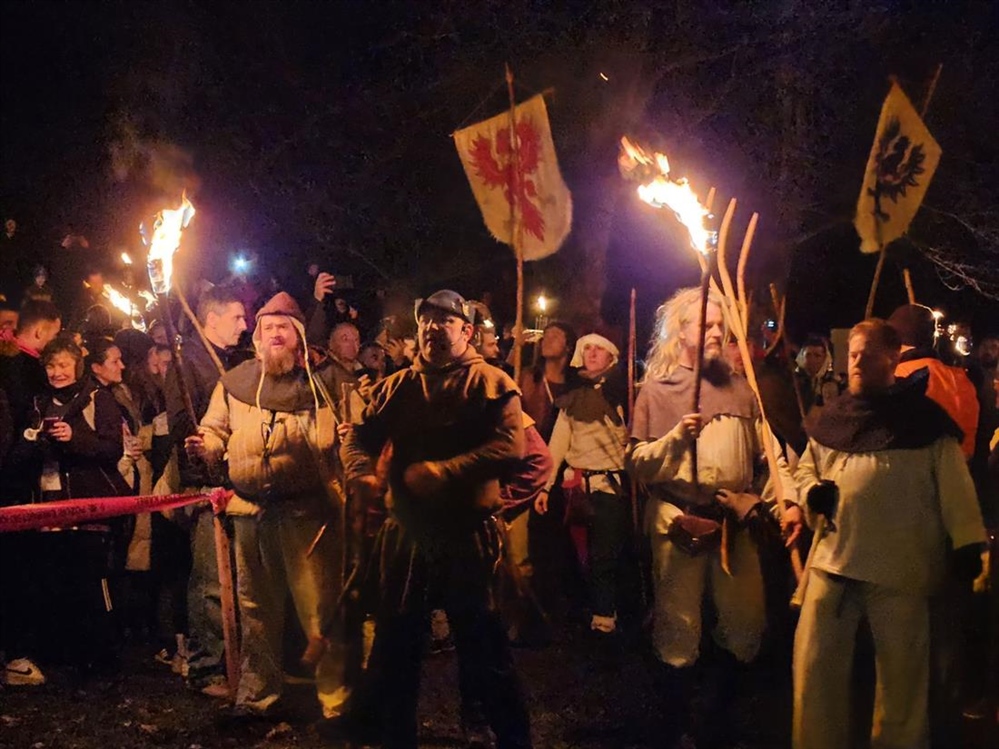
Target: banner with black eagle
(535, 189)
(899, 169)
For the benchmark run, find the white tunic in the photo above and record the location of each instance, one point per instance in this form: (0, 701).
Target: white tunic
(897, 508)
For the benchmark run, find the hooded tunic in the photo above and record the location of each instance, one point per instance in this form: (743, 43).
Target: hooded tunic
(464, 416)
(271, 440)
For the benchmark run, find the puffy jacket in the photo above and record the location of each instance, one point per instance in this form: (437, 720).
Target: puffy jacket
(952, 390)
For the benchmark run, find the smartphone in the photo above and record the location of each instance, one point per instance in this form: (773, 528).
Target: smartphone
(48, 422)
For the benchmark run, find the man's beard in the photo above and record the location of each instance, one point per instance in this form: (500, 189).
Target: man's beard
(279, 363)
(716, 370)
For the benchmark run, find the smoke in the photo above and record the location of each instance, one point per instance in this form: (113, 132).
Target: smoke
(153, 162)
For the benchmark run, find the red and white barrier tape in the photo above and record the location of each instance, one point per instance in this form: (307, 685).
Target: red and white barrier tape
(70, 512)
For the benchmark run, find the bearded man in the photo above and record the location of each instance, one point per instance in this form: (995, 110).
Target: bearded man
(273, 420)
(885, 468)
(683, 518)
(449, 428)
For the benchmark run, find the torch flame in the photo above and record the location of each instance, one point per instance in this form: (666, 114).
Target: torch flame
(148, 297)
(118, 300)
(167, 229)
(661, 191)
(123, 303)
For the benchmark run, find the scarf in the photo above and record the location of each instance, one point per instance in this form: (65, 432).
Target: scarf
(901, 418)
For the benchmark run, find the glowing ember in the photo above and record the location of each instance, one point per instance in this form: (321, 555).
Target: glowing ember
(167, 229)
(658, 190)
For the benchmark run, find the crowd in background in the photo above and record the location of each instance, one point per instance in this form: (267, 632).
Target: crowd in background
(93, 406)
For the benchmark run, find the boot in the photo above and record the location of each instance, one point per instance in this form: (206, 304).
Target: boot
(675, 690)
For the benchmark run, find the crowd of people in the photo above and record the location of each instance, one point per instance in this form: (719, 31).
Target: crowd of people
(395, 490)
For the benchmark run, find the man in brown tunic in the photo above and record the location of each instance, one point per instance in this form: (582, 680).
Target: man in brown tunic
(449, 426)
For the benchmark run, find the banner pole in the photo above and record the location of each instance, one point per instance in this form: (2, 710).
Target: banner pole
(518, 328)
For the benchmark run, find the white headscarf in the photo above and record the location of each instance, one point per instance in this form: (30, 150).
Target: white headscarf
(593, 339)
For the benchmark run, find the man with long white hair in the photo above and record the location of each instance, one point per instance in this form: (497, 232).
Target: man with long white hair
(684, 517)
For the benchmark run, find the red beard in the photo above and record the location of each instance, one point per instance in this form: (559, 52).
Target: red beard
(279, 363)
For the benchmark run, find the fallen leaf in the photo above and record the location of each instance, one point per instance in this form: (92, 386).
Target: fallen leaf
(281, 729)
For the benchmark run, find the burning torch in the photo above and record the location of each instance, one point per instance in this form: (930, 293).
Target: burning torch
(167, 228)
(658, 190)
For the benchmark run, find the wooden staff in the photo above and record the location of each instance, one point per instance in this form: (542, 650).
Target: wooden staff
(636, 514)
(518, 328)
(739, 323)
(869, 311)
(632, 346)
(695, 405)
(909, 288)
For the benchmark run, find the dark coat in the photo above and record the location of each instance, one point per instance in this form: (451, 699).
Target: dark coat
(22, 377)
(88, 463)
(201, 376)
(465, 418)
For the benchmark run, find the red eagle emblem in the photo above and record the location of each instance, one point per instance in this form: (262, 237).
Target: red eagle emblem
(519, 186)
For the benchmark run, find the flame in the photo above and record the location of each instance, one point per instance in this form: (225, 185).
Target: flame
(661, 191)
(542, 303)
(123, 303)
(149, 297)
(126, 258)
(118, 300)
(167, 229)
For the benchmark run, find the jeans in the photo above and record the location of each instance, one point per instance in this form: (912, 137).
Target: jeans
(204, 604)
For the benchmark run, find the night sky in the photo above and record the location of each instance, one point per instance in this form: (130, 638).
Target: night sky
(321, 131)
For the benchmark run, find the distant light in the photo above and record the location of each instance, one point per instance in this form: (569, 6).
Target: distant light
(937, 314)
(241, 264)
(604, 77)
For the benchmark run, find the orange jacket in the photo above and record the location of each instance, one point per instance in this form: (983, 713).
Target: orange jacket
(953, 391)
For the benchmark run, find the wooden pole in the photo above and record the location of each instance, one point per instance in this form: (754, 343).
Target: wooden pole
(740, 324)
(909, 288)
(695, 404)
(632, 350)
(228, 602)
(518, 328)
(869, 310)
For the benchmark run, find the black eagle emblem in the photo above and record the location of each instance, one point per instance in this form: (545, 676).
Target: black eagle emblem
(898, 164)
